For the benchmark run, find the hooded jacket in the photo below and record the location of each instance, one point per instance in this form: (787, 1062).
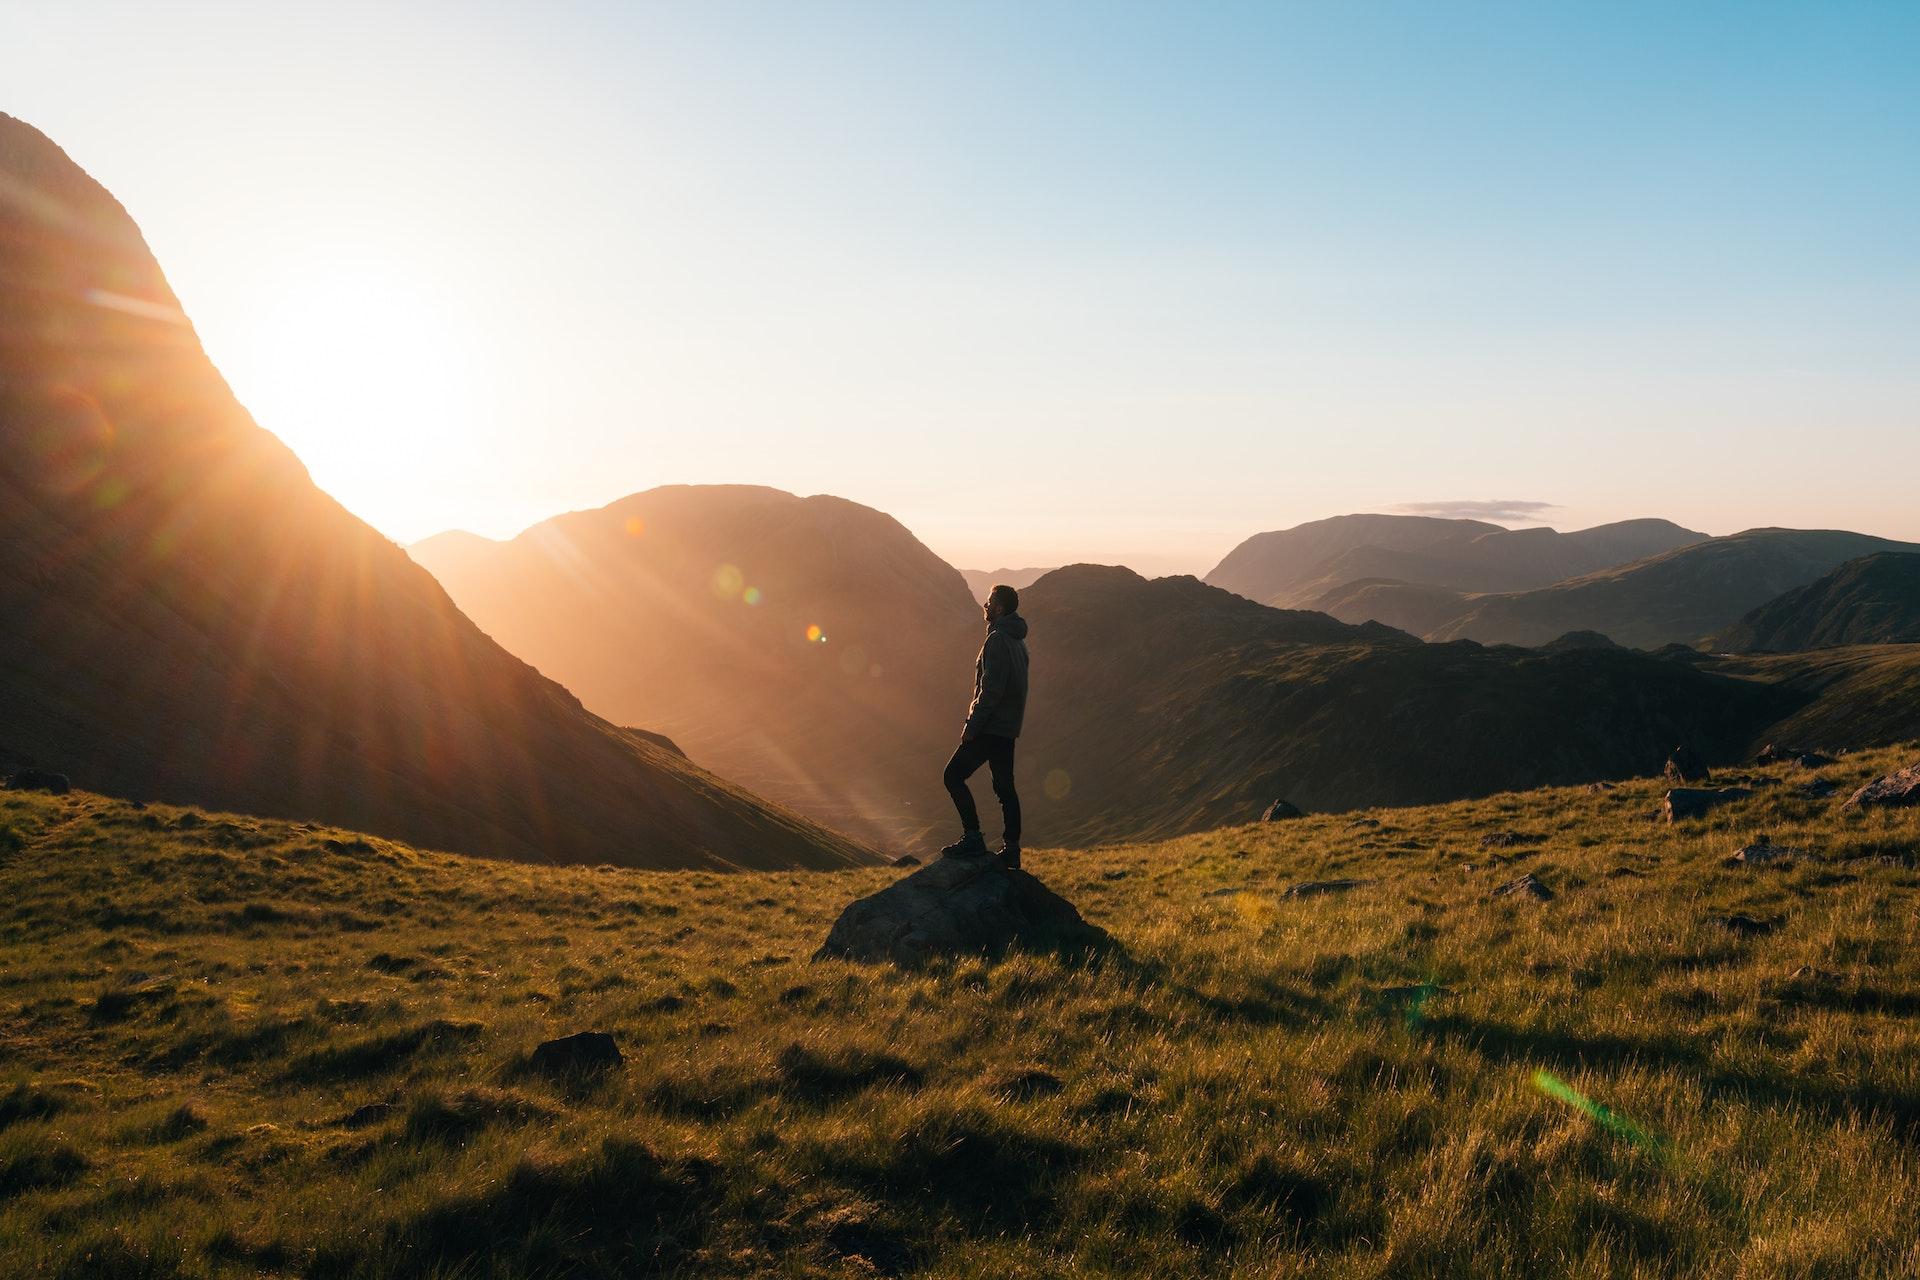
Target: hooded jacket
(1000, 679)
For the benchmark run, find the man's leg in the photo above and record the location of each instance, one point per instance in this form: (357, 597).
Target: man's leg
(1000, 760)
(967, 759)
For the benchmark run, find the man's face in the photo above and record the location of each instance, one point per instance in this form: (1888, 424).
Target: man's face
(991, 608)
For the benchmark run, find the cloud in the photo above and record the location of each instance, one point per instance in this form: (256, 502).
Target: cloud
(1498, 510)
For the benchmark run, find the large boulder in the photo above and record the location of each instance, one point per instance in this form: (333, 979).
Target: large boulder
(1697, 802)
(1895, 791)
(1280, 811)
(1684, 766)
(959, 906)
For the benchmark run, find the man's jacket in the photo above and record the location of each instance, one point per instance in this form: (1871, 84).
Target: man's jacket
(1000, 679)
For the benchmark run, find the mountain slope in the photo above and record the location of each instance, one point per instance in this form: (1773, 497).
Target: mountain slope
(1169, 706)
(688, 608)
(1270, 565)
(185, 616)
(981, 581)
(1679, 597)
(1872, 600)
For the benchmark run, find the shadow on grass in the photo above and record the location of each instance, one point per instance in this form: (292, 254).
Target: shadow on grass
(618, 1211)
(377, 1055)
(1571, 1051)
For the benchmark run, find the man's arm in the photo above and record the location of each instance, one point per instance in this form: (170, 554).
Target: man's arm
(995, 670)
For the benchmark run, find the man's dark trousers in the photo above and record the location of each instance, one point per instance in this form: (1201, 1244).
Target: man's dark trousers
(995, 752)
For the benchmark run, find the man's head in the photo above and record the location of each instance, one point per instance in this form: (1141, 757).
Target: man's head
(1001, 601)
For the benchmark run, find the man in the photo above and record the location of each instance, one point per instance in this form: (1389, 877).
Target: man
(993, 722)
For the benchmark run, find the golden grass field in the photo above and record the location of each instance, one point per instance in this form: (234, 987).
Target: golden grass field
(235, 1046)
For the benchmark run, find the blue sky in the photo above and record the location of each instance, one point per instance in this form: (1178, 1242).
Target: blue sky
(1046, 281)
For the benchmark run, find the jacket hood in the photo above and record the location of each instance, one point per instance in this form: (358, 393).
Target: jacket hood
(1012, 623)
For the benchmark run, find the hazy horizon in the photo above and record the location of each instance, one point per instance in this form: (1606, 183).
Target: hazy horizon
(1046, 287)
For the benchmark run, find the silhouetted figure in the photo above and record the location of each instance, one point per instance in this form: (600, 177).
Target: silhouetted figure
(993, 722)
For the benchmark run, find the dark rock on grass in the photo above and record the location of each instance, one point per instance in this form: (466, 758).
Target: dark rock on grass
(1527, 886)
(1745, 925)
(906, 860)
(1696, 802)
(1507, 840)
(1760, 853)
(1818, 789)
(582, 1053)
(1771, 754)
(1599, 788)
(1315, 888)
(960, 906)
(39, 780)
(1685, 766)
(1895, 791)
(1281, 810)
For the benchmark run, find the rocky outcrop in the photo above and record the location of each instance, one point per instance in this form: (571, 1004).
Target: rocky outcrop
(1685, 766)
(1895, 791)
(958, 907)
(1280, 810)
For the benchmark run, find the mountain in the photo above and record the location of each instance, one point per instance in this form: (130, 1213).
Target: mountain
(1416, 609)
(1168, 706)
(1296, 567)
(185, 616)
(690, 609)
(1678, 597)
(1872, 600)
(981, 581)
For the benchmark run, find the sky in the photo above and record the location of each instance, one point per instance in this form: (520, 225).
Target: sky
(1048, 282)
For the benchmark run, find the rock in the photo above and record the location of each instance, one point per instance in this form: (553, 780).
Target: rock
(1818, 789)
(1697, 802)
(1599, 788)
(1314, 888)
(1760, 852)
(1895, 791)
(1280, 810)
(1684, 766)
(906, 860)
(1771, 754)
(959, 906)
(1528, 885)
(581, 1053)
(1745, 925)
(39, 780)
(1506, 840)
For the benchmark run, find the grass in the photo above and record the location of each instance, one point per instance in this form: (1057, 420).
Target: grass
(237, 1047)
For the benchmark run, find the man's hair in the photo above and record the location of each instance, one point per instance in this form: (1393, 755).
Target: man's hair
(1008, 598)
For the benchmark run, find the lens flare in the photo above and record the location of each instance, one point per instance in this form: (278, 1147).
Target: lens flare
(751, 595)
(815, 635)
(1604, 1116)
(727, 581)
(636, 527)
(1058, 784)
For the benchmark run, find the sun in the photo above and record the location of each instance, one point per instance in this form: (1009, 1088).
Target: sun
(365, 373)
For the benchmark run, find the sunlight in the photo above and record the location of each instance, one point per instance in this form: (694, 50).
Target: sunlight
(364, 374)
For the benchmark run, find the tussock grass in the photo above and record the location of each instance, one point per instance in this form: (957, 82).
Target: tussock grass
(238, 1047)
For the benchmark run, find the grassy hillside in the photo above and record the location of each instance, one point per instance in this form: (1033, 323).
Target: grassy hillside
(1872, 600)
(238, 1047)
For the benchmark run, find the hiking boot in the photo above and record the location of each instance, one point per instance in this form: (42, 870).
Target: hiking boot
(1009, 856)
(970, 845)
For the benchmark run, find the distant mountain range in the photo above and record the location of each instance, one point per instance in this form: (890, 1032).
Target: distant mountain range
(1680, 597)
(1872, 600)
(186, 617)
(811, 649)
(1294, 568)
(1169, 706)
(981, 581)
